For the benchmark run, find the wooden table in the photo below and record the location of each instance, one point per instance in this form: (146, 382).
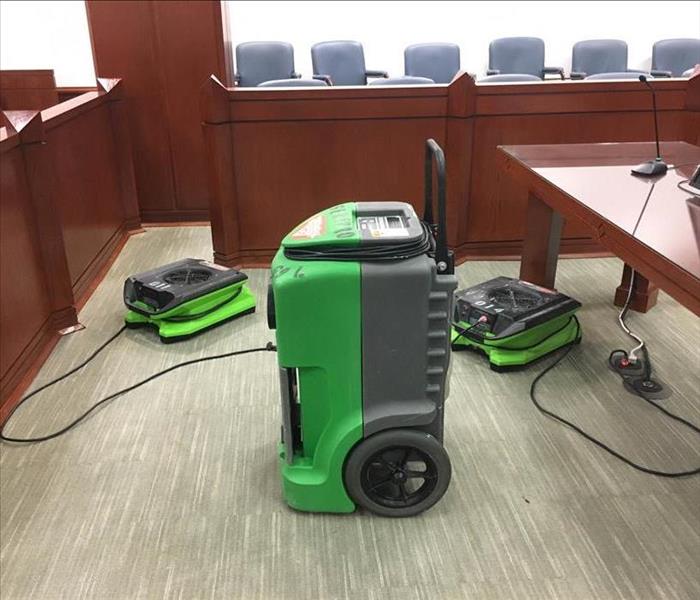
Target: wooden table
(651, 224)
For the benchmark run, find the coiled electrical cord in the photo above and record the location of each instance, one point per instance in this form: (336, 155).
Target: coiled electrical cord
(632, 355)
(382, 252)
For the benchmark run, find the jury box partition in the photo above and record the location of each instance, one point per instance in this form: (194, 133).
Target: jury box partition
(27, 89)
(68, 200)
(276, 156)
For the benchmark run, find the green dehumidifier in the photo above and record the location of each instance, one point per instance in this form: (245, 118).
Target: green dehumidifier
(186, 297)
(513, 322)
(361, 300)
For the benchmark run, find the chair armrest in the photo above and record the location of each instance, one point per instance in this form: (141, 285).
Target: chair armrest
(553, 71)
(493, 71)
(326, 78)
(655, 73)
(578, 75)
(370, 73)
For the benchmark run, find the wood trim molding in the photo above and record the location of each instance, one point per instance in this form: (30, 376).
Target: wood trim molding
(41, 176)
(27, 89)
(149, 217)
(20, 375)
(100, 116)
(114, 90)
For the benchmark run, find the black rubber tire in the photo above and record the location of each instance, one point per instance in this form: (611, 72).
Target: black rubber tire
(386, 440)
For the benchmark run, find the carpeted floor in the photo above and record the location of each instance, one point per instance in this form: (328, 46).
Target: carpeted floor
(172, 491)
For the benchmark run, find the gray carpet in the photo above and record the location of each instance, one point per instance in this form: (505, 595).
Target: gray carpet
(173, 492)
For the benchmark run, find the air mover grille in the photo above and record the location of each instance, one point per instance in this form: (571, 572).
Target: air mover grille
(187, 276)
(510, 298)
(504, 306)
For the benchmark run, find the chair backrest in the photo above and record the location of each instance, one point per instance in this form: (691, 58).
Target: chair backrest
(619, 75)
(405, 80)
(509, 77)
(599, 56)
(293, 83)
(676, 56)
(262, 61)
(343, 61)
(439, 62)
(517, 55)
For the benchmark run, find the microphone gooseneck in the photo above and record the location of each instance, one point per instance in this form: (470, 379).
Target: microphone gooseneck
(645, 81)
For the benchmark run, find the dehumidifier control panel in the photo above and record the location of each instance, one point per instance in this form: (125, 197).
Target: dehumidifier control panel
(387, 222)
(392, 226)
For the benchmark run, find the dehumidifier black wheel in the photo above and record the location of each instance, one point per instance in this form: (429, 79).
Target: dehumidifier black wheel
(398, 472)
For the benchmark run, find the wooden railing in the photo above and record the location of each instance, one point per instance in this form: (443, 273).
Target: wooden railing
(276, 156)
(68, 202)
(27, 89)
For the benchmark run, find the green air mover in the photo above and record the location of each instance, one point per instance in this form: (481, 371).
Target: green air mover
(361, 298)
(186, 297)
(513, 322)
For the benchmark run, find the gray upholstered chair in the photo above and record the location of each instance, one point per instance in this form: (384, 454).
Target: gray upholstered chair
(405, 80)
(591, 57)
(439, 62)
(341, 63)
(293, 83)
(262, 61)
(620, 75)
(671, 58)
(519, 55)
(509, 77)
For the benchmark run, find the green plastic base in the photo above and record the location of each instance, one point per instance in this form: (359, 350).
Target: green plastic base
(319, 487)
(172, 329)
(523, 348)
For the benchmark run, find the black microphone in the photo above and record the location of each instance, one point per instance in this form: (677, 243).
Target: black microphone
(656, 166)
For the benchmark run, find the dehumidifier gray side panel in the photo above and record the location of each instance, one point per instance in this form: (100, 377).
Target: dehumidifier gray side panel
(405, 344)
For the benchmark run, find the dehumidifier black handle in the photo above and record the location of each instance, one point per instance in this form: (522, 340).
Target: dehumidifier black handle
(442, 255)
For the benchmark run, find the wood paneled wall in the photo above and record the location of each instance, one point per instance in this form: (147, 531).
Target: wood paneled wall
(163, 51)
(68, 201)
(276, 156)
(33, 89)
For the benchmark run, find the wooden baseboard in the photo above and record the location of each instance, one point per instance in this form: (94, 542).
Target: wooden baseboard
(85, 284)
(508, 250)
(178, 224)
(512, 250)
(252, 259)
(25, 368)
(23, 371)
(65, 317)
(174, 216)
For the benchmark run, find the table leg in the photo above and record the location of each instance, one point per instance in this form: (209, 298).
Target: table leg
(644, 293)
(541, 245)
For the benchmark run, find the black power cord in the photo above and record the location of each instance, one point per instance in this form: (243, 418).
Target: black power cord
(596, 441)
(267, 348)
